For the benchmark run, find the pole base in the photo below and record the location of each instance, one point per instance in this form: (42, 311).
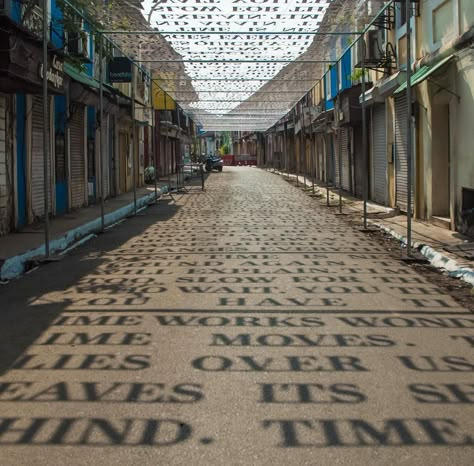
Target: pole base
(133, 214)
(341, 213)
(414, 258)
(367, 230)
(49, 259)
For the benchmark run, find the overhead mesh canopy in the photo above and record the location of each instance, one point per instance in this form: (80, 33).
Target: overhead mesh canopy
(236, 64)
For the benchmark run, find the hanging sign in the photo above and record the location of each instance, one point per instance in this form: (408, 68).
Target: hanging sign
(162, 100)
(120, 70)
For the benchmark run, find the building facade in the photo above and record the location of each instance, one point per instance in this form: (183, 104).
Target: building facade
(77, 174)
(441, 112)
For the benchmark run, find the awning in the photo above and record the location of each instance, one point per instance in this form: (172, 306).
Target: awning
(85, 89)
(371, 96)
(81, 77)
(423, 73)
(389, 85)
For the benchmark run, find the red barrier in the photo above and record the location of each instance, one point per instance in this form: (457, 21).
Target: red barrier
(245, 159)
(242, 159)
(228, 160)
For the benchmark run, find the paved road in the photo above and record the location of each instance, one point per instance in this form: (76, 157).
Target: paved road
(243, 325)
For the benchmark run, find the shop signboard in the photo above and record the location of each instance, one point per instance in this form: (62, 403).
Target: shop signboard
(120, 70)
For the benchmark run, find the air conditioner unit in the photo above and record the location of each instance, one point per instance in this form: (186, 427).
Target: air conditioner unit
(78, 44)
(371, 48)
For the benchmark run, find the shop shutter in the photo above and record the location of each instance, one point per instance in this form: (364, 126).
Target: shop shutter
(401, 165)
(37, 159)
(324, 150)
(4, 188)
(78, 166)
(331, 149)
(106, 162)
(360, 172)
(379, 144)
(345, 160)
(123, 165)
(111, 159)
(336, 158)
(3, 138)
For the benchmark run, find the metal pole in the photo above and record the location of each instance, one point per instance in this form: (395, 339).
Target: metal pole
(313, 155)
(45, 129)
(192, 146)
(326, 151)
(286, 150)
(272, 149)
(274, 144)
(230, 33)
(339, 152)
(270, 144)
(178, 152)
(280, 151)
(409, 128)
(133, 142)
(197, 60)
(303, 146)
(153, 140)
(102, 136)
(365, 158)
(298, 159)
(166, 148)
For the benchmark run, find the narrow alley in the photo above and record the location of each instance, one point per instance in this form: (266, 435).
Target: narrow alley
(244, 324)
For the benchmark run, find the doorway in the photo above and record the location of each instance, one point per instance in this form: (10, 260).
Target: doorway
(440, 159)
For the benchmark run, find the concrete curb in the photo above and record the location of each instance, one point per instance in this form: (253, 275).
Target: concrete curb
(15, 266)
(436, 259)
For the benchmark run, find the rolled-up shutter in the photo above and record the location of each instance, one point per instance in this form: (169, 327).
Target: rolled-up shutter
(37, 159)
(401, 164)
(78, 166)
(379, 144)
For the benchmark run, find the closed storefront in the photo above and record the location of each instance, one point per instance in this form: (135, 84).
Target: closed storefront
(37, 159)
(379, 155)
(401, 164)
(77, 157)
